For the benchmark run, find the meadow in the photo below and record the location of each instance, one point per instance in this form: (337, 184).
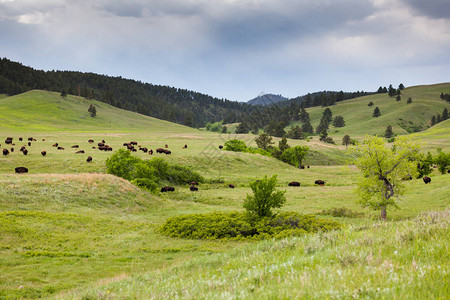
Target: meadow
(69, 230)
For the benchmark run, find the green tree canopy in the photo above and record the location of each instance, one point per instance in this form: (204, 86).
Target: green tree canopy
(264, 198)
(382, 168)
(263, 141)
(294, 155)
(376, 112)
(346, 140)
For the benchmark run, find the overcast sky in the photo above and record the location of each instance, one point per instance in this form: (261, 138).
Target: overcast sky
(236, 49)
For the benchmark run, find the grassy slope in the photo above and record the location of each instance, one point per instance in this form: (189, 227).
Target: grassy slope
(98, 226)
(359, 120)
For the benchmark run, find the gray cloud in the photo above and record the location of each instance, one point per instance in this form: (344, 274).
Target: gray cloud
(431, 8)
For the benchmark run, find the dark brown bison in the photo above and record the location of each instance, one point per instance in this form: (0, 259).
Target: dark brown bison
(231, 186)
(133, 143)
(22, 148)
(21, 170)
(20, 139)
(319, 182)
(308, 167)
(75, 146)
(25, 151)
(193, 183)
(150, 152)
(79, 152)
(145, 149)
(220, 147)
(302, 167)
(30, 139)
(60, 148)
(166, 146)
(43, 153)
(294, 183)
(12, 149)
(101, 144)
(193, 188)
(29, 144)
(8, 140)
(167, 152)
(426, 179)
(185, 147)
(160, 150)
(103, 141)
(167, 189)
(89, 159)
(55, 145)
(5, 151)
(90, 141)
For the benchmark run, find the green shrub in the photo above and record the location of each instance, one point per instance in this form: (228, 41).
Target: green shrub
(341, 212)
(236, 225)
(264, 197)
(146, 183)
(122, 164)
(235, 145)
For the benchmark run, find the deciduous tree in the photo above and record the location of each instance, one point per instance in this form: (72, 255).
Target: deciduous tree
(265, 197)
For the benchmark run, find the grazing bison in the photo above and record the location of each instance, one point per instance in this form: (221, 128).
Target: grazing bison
(20, 170)
(75, 146)
(302, 167)
(43, 153)
(25, 151)
(60, 148)
(20, 139)
(220, 147)
(308, 167)
(89, 159)
(160, 150)
(79, 151)
(133, 143)
(194, 183)
(55, 145)
(319, 182)
(22, 148)
(30, 139)
(150, 152)
(101, 144)
(90, 141)
(167, 189)
(5, 152)
(103, 141)
(166, 146)
(29, 144)
(12, 149)
(426, 179)
(185, 147)
(231, 186)
(193, 188)
(167, 152)
(8, 140)
(294, 183)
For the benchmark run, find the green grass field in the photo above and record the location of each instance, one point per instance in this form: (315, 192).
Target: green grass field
(70, 231)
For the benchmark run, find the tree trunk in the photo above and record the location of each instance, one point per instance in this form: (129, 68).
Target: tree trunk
(383, 213)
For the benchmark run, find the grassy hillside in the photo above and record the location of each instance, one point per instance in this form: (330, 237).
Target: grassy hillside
(404, 118)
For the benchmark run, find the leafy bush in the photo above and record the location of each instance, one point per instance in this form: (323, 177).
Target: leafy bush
(235, 145)
(148, 173)
(341, 212)
(220, 225)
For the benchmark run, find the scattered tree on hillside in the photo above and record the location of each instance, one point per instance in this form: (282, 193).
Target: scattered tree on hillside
(338, 121)
(346, 140)
(283, 145)
(445, 114)
(92, 110)
(63, 93)
(424, 165)
(263, 141)
(276, 129)
(433, 120)
(438, 118)
(304, 116)
(388, 133)
(294, 155)
(307, 127)
(224, 129)
(409, 101)
(383, 168)
(370, 104)
(443, 161)
(264, 198)
(391, 91)
(401, 86)
(295, 133)
(376, 112)
(398, 98)
(242, 128)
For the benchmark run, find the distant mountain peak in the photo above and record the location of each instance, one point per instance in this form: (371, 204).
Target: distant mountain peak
(266, 99)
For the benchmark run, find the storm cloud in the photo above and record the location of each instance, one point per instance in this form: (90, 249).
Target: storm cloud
(235, 49)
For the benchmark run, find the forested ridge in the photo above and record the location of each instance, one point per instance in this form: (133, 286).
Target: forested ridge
(168, 103)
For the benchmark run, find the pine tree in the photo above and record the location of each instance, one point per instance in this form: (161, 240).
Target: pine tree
(433, 120)
(338, 121)
(283, 145)
(92, 110)
(370, 104)
(438, 118)
(401, 86)
(409, 101)
(346, 140)
(388, 133)
(307, 127)
(445, 114)
(398, 98)
(391, 91)
(376, 112)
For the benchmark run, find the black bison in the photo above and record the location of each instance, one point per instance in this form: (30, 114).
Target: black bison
(29, 144)
(30, 139)
(294, 183)
(133, 143)
(193, 188)
(302, 167)
(5, 151)
(79, 152)
(90, 141)
(167, 189)
(145, 149)
(220, 147)
(426, 179)
(231, 186)
(55, 145)
(167, 152)
(103, 141)
(22, 148)
(89, 159)
(25, 151)
(8, 140)
(308, 167)
(319, 182)
(12, 149)
(101, 144)
(43, 153)
(160, 150)
(185, 147)
(60, 148)
(75, 146)
(20, 139)
(20, 170)
(166, 146)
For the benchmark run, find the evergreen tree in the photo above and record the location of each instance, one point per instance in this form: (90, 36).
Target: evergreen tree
(263, 141)
(398, 98)
(63, 93)
(295, 132)
(438, 118)
(224, 129)
(370, 104)
(346, 140)
(380, 90)
(433, 120)
(391, 91)
(322, 126)
(445, 114)
(401, 86)
(307, 127)
(304, 116)
(283, 145)
(327, 114)
(189, 121)
(242, 128)
(92, 110)
(409, 101)
(376, 112)
(388, 133)
(279, 129)
(338, 121)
